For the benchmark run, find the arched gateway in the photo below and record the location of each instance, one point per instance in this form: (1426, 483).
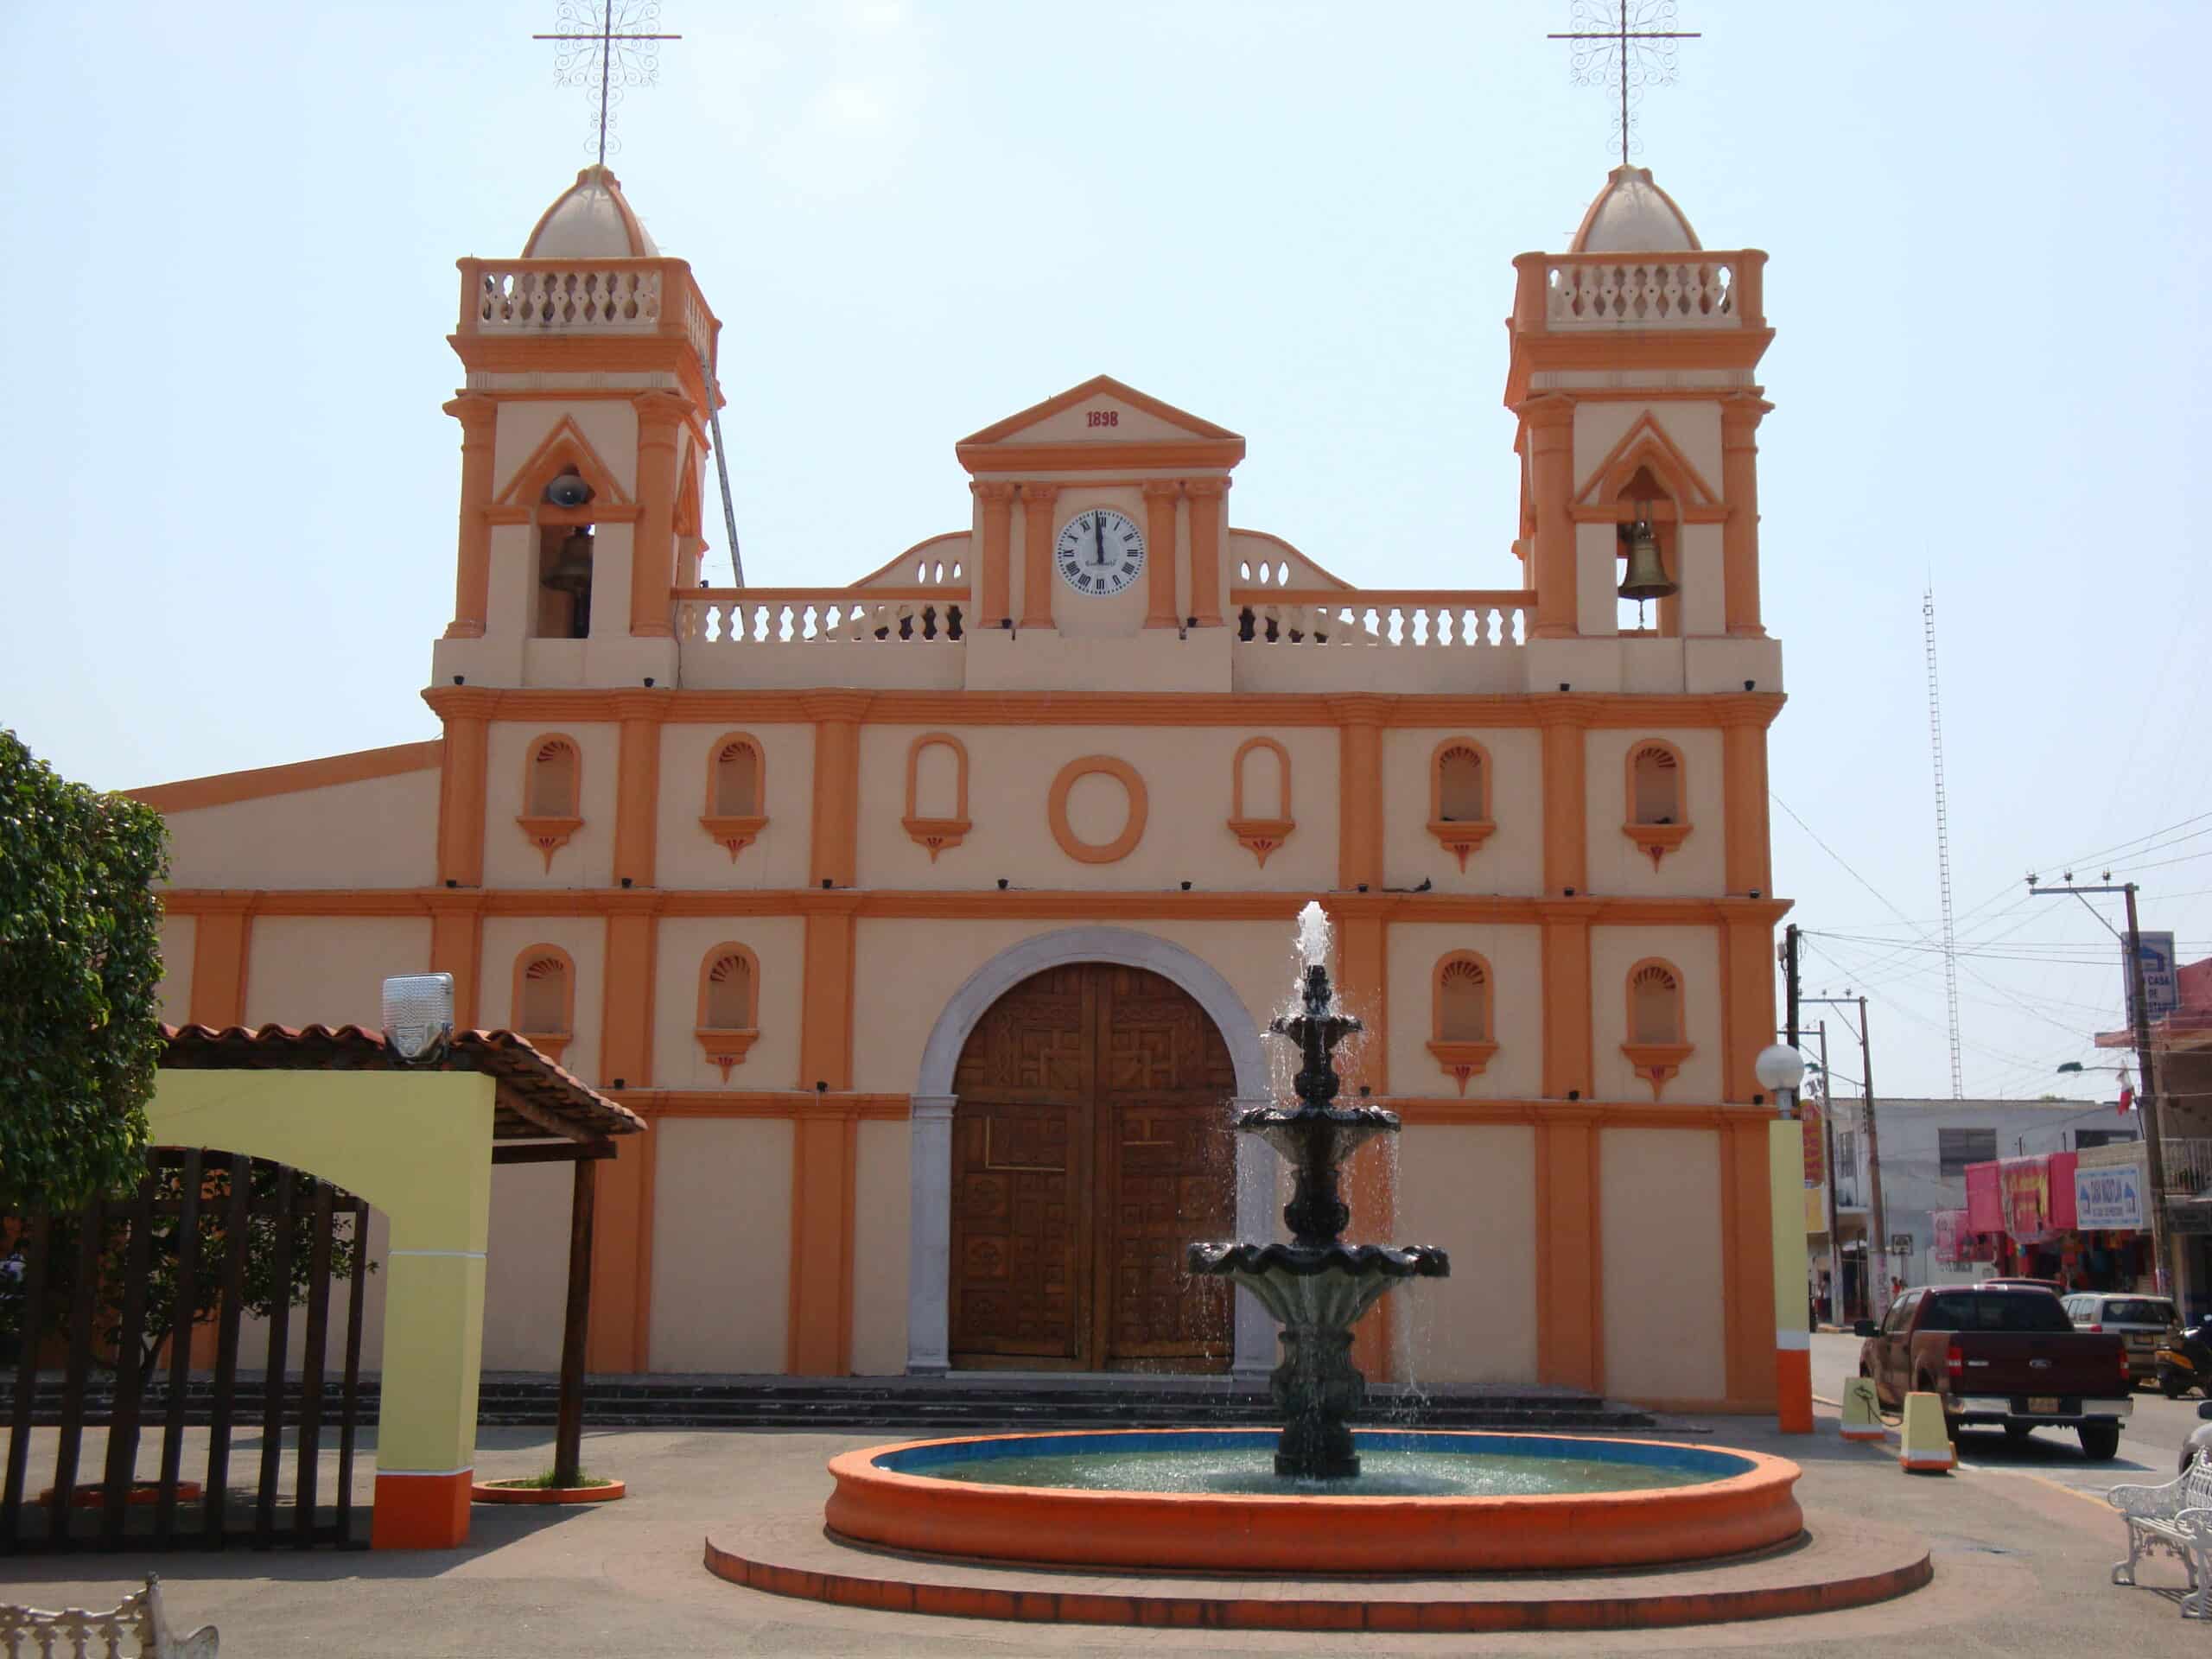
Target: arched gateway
(1091, 1142)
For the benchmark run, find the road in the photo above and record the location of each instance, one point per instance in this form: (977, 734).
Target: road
(2148, 1446)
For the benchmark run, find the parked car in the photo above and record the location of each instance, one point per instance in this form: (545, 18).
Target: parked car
(2142, 1322)
(2002, 1355)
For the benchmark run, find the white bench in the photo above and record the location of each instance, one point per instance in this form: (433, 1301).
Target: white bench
(2176, 1518)
(34, 1633)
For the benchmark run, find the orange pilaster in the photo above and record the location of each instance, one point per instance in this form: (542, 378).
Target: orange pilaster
(1739, 533)
(456, 946)
(824, 1154)
(637, 790)
(620, 1335)
(1570, 1313)
(1159, 495)
(997, 586)
(1743, 797)
(222, 945)
(479, 414)
(462, 779)
(421, 1511)
(1747, 1268)
(1037, 553)
(1359, 791)
(1565, 968)
(652, 557)
(1567, 836)
(836, 829)
(1549, 421)
(825, 1027)
(1746, 1002)
(1206, 495)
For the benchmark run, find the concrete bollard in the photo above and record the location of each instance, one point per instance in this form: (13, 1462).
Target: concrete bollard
(1862, 1416)
(1926, 1447)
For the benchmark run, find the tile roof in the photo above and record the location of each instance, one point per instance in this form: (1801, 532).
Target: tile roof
(536, 1100)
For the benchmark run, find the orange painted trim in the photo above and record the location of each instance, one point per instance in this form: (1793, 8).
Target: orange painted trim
(464, 782)
(826, 1003)
(1570, 1290)
(192, 794)
(534, 750)
(1359, 803)
(1078, 456)
(1161, 552)
(726, 1042)
(1566, 1022)
(1055, 810)
(1205, 1532)
(1745, 827)
(1646, 444)
(479, 414)
(1208, 514)
(790, 1104)
(457, 947)
(1747, 1004)
(1651, 351)
(222, 949)
(1038, 503)
(818, 1326)
(1261, 837)
(627, 1013)
(1567, 870)
(563, 449)
(421, 1511)
(936, 833)
(641, 1293)
(492, 1492)
(621, 1237)
(552, 1044)
(1793, 1390)
(1655, 1059)
(582, 355)
(735, 831)
(1461, 1057)
(1739, 479)
(1547, 436)
(1099, 385)
(996, 586)
(834, 829)
(636, 792)
(1178, 710)
(653, 549)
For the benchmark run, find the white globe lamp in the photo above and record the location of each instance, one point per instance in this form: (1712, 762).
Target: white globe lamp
(1780, 1069)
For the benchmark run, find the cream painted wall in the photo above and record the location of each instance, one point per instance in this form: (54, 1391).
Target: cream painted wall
(526, 1266)
(779, 944)
(895, 1007)
(1187, 785)
(307, 970)
(1473, 1191)
(584, 938)
(1618, 865)
(1660, 1239)
(609, 425)
(880, 1192)
(1693, 427)
(722, 1244)
(1515, 958)
(510, 859)
(1695, 951)
(1512, 861)
(381, 832)
(779, 857)
(174, 988)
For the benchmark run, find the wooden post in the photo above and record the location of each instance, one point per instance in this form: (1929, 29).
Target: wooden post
(568, 1434)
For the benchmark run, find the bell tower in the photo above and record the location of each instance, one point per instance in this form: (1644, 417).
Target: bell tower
(1633, 372)
(590, 365)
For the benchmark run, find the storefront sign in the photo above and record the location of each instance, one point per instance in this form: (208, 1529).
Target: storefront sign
(2161, 991)
(1954, 1245)
(1984, 1201)
(1815, 1124)
(2038, 1194)
(2109, 1198)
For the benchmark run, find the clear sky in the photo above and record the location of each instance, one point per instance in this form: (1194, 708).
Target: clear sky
(231, 230)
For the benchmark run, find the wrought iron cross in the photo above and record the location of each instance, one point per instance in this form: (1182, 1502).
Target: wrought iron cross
(1632, 39)
(610, 42)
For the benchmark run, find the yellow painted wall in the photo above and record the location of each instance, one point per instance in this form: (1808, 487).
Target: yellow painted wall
(1696, 953)
(1473, 1191)
(779, 942)
(175, 989)
(307, 970)
(380, 832)
(722, 1244)
(1659, 1233)
(1515, 957)
(1510, 862)
(879, 1204)
(587, 861)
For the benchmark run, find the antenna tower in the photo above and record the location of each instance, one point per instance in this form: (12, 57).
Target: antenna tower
(1942, 840)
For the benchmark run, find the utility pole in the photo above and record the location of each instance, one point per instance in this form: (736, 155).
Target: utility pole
(1878, 1244)
(1790, 981)
(2154, 1150)
(1827, 1133)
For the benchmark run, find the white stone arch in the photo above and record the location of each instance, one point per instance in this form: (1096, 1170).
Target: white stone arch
(930, 1212)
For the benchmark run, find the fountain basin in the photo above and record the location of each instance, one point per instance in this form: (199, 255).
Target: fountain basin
(1672, 1502)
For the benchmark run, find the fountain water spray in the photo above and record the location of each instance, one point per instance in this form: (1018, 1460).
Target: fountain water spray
(1316, 1286)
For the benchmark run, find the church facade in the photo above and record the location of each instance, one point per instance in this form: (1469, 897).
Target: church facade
(932, 920)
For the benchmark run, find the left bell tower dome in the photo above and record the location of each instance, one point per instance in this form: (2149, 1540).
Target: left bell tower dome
(590, 384)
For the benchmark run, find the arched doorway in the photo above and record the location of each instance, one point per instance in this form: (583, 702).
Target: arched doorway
(1091, 1143)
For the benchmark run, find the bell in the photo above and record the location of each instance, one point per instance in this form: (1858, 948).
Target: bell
(1647, 576)
(571, 572)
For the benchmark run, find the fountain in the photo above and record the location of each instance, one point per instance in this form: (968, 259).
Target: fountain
(1209, 1500)
(1316, 1286)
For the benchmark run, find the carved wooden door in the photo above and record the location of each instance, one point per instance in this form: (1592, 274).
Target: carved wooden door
(1090, 1144)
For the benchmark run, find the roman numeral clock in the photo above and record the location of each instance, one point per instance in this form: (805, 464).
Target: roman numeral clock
(1100, 552)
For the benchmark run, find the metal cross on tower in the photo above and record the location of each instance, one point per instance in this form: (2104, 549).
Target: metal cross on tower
(1630, 40)
(610, 42)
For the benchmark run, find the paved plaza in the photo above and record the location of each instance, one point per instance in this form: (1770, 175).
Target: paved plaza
(2021, 1545)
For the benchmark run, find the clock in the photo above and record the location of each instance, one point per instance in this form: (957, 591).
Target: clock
(1100, 552)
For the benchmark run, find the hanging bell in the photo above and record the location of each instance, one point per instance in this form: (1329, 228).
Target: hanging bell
(571, 572)
(1647, 576)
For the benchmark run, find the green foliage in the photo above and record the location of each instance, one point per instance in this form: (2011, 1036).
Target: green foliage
(80, 959)
(548, 1482)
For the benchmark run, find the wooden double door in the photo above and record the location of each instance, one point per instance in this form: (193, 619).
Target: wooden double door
(1090, 1145)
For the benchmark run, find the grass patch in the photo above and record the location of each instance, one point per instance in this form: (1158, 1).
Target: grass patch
(545, 1483)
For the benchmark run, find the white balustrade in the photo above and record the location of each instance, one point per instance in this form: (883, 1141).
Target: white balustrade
(1592, 291)
(1327, 619)
(739, 618)
(578, 299)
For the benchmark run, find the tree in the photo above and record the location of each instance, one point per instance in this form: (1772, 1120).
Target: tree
(80, 959)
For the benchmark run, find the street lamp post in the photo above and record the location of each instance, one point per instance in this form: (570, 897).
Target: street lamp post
(1780, 1069)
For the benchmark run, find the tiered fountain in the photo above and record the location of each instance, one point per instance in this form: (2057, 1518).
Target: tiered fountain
(1332, 1500)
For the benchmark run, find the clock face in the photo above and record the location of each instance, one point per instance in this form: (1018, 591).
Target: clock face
(1100, 552)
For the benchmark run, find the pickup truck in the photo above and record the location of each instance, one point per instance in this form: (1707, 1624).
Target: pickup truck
(2000, 1354)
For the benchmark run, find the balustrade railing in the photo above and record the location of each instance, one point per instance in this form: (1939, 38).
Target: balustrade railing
(569, 297)
(739, 617)
(1562, 292)
(1422, 619)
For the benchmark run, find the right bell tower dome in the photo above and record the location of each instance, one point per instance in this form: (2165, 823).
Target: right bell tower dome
(1634, 375)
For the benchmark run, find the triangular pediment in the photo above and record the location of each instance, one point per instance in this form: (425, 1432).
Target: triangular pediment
(1646, 446)
(564, 449)
(1101, 422)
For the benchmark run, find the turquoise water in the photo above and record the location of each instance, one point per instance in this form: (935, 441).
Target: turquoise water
(1393, 1464)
